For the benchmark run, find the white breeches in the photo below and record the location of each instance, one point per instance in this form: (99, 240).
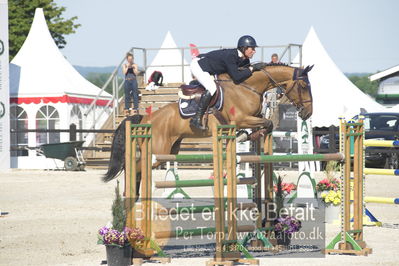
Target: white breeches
(206, 79)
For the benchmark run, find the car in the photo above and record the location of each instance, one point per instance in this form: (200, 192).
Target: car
(381, 126)
(378, 126)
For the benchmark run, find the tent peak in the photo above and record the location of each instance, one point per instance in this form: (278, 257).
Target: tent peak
(40, 69)
(168, 42)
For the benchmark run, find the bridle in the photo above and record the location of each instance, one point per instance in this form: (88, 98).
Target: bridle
(295, 84)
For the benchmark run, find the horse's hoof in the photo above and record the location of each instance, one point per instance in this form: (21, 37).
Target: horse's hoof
(242, 136)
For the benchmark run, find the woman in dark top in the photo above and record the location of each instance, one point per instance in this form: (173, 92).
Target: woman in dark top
(235, 62)
(130, 70)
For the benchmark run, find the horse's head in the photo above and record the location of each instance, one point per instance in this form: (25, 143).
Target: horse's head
(298, 91)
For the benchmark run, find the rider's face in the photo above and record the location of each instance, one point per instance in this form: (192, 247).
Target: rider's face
(249, 52)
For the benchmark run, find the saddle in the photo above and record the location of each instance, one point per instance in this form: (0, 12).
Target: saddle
(194, 91)
(190, 95)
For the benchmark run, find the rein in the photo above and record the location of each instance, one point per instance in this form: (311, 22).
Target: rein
(300, 106)
(242, 84)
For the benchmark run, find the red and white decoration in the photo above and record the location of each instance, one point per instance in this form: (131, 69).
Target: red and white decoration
(47, 92)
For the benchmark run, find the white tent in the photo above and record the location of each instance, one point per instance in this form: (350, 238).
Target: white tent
(168, 60)
(47, 92)
(334, 95)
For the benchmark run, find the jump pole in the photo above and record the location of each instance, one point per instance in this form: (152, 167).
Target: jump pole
(207, 158)
(381, 200)
(350, 239)
(228, 249)
(140, 136)
(381, 143)
(199, 183)
(378, 171)
(262, 234)
(200, 209)
(268, 179)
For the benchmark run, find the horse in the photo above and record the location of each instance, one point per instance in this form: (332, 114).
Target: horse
(169, 128)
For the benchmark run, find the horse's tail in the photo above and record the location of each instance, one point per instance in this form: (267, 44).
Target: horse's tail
(117, 160)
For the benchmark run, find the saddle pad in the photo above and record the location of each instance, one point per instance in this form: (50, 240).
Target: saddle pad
(188, 108)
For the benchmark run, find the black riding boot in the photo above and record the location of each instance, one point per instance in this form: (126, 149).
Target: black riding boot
(196, 121)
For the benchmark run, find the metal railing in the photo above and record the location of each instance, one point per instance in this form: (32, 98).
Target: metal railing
(285, 53)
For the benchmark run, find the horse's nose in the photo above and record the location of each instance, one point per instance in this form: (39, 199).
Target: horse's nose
(304, 114)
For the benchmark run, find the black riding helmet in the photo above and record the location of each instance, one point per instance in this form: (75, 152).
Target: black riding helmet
(246, 41)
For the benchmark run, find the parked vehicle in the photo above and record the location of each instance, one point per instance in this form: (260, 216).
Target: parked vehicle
(379, 126)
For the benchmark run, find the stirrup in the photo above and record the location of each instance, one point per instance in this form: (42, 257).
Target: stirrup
(196, 125)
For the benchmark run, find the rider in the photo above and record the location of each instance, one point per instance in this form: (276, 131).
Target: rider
(235, 62)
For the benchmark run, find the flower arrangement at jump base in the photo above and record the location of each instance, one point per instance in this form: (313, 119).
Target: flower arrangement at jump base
(284, 226)
(286, 188)
(117, 238)
(328, 184)
(331, 198)
(113, 237)
(287, 225)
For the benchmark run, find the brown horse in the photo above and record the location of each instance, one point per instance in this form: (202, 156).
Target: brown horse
(169, 128)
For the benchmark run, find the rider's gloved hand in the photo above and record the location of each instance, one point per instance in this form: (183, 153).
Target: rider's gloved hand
(257, 66)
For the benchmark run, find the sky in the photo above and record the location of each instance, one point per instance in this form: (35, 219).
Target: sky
(359, 35)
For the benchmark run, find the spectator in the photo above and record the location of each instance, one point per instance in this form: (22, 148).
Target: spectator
(275, 59)
(130, 70)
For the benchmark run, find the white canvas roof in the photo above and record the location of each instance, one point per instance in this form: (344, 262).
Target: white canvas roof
(334, 95)
(384, 73)
(170, 61)
(40, 70)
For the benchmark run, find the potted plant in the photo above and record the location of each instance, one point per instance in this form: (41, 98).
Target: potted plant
(116, 237)
(284, 226)
(286, 188)
(332, 201)
(330, 182)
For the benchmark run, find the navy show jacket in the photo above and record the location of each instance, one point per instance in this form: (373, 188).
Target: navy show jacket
(225, 61)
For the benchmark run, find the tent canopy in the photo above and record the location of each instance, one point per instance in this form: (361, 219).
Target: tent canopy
(334, 95)
(39, 72)
(169, 60)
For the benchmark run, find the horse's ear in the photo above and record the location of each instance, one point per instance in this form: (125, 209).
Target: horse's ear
(306, 70)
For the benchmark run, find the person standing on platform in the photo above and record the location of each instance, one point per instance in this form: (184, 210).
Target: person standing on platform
(130, 70)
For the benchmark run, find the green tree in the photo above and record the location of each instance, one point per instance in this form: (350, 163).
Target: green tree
(99, 80)
(365, 85)
(21, 13)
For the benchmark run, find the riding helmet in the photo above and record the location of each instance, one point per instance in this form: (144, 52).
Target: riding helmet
(246, 41)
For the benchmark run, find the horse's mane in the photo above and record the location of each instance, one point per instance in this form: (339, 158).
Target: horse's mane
(264, 64)
(276, 64)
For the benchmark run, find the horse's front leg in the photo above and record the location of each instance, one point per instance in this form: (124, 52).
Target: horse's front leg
(265, 125)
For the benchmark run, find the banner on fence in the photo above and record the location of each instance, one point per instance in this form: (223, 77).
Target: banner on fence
(305, 145)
